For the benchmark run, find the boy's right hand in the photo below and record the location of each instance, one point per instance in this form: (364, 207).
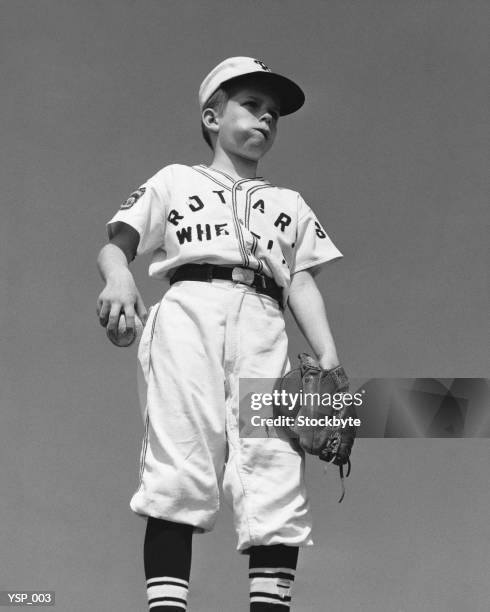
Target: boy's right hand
(120, 295)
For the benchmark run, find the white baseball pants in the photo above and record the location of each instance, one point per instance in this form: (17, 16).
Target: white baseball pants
(197, 343)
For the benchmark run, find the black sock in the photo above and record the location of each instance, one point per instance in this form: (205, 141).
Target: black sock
(271, 573)
(167, 559)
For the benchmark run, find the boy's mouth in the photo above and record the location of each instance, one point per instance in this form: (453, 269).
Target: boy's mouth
(265, 133)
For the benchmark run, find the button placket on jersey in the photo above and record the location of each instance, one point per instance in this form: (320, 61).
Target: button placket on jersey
(245, 244)
(246, 240)
(252, 240)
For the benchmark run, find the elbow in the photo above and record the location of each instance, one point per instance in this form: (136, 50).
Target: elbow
(301, 281)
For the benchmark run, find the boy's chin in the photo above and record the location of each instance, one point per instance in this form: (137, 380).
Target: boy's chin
(253, 153)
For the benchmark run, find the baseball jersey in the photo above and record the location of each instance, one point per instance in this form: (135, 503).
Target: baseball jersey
(197, 214)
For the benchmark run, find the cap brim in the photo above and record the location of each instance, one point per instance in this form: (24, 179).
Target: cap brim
(291, 96)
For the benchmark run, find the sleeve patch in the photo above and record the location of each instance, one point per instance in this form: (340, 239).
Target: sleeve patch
(133, 198)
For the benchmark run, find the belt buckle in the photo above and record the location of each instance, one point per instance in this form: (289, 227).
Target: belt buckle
(243, 275)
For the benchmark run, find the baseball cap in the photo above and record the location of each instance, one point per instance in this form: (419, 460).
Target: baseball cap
(291, 96)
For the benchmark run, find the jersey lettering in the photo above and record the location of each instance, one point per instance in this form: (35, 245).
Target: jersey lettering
(174, 217)
(319, 230)
(221, 229)
(270, 244)
(260, 205)
(202, 232)
(221, 196)
(282, 221)
(184, 235)
(198, 205)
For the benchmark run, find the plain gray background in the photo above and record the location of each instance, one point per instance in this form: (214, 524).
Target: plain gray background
(390, 151)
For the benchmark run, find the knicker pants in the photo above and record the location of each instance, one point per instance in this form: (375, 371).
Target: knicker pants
(196, 345)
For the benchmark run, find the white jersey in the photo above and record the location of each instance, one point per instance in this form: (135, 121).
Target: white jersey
(199, 214)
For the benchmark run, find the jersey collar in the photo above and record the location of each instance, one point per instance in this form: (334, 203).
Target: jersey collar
(226, 179)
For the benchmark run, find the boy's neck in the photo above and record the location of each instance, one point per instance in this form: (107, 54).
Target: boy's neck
(237, 167)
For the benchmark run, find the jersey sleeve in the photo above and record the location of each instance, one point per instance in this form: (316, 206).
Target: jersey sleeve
(146, 211)
(313, 245)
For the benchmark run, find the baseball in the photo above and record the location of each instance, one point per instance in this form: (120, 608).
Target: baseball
(123, 337)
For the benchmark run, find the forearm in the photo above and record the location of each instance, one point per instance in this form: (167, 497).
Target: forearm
(112, 262)
(120, 293)
(308, 309)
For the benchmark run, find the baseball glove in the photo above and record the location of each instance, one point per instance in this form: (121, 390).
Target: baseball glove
(315, 427)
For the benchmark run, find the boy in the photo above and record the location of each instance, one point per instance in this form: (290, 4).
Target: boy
(237, 250)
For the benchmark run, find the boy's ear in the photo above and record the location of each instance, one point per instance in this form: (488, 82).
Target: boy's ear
(210, 119)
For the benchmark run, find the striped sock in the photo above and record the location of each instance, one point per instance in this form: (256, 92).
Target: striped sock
(270, 586)
(167, 557)
(167, 594)
(271, 572)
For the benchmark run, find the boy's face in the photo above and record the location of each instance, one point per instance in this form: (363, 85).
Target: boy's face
(248, 122)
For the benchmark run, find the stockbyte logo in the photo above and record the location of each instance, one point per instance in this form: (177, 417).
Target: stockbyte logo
(384, 408)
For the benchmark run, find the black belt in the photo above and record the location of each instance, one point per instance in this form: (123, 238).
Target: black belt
(206, 272)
